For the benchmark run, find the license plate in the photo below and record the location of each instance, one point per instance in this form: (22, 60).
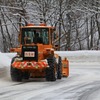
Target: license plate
(29, 54)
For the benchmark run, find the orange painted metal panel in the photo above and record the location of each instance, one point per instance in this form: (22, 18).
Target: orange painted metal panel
(29, 65)
(65, 68)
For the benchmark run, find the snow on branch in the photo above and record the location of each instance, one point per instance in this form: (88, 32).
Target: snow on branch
(17, 8)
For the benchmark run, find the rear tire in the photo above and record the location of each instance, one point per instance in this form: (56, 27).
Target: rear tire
(26, 75)
(16, 74)
(59, 68)
(50, 72)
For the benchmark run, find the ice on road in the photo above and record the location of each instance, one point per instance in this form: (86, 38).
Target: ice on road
(82, 84)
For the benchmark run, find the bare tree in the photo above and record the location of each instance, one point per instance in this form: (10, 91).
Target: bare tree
(77, 22)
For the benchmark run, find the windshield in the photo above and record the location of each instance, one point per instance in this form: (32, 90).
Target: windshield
(35, 35)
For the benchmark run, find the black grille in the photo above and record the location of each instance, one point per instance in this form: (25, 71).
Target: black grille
(30, 53)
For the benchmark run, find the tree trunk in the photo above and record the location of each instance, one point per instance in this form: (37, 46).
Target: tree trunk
(3, 38)
(87, 33)
(91, 33)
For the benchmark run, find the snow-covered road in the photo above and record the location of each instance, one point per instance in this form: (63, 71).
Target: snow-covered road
(82, 84)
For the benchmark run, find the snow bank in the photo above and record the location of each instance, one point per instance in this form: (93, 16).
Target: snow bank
(79, 53)
(73, 56)
(81, 56)
(4, 60)
(10, 55)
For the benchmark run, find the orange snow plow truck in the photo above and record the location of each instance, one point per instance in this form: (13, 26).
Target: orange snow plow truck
(36, 57)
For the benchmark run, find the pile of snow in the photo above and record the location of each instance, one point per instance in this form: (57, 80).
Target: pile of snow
(10, 55)
(73, 56)
(79, 53)
(81, 56)
(4, 60)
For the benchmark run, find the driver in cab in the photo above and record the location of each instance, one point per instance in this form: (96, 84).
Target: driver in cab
(37, 39)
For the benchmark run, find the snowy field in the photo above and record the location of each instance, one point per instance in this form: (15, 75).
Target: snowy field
(82, 84)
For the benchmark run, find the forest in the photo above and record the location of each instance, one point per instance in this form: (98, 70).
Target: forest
(77, 22)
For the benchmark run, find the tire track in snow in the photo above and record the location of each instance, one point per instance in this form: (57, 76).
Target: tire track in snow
(72, 88)
(68, 92)
(92, 94)
(11, 94)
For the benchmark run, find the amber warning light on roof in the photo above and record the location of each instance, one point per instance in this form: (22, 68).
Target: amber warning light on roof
(41, 24)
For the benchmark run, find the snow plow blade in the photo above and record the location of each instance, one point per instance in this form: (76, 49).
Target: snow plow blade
(65, 68)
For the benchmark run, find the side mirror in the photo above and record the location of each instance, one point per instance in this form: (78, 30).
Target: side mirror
(56, 47)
